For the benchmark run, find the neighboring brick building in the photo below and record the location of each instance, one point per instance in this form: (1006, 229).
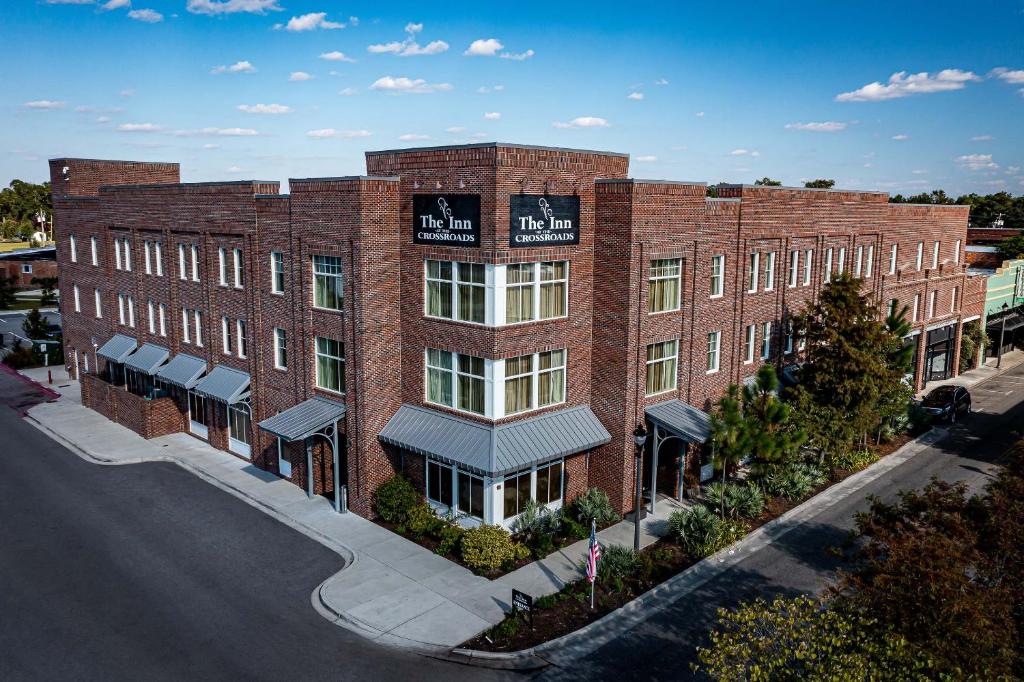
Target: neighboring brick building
(24, 265)
(493, 320)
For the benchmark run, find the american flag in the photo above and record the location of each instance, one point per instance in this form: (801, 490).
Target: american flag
(595, 553)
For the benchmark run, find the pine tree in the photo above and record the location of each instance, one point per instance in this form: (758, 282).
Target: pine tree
(34, 325)
(730, 441)
(772, 437)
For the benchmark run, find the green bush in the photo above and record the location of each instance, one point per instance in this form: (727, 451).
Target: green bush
(573, 528)
(698, 530)
(813, 472)
(449, 538)
(536, 518)
(740, 500)
(394, 498)
(520, 551)
(791, 481)
(617, 562)
(920, 419)
(856, 460)
(422, 520)
(541, 544)
(593, 504)
(486, 548)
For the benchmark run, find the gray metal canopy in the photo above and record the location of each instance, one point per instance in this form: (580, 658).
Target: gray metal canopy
(493, 450)
(685, 421)
(147, 359)
(224, 384)
(117, 348)
(183, 371)
(304, 419)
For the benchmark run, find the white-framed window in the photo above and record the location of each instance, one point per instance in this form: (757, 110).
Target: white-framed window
(328, 289)
(225, 332)
(455, 380)
(894, 251)
(766, 340)
(195, 263)
(127, 255)
(794, 268)
(276, 272)
(935, 254)
(828, 264)
(280, 348)
(552, 293)
(769, 271)
(181, 262)
(748, 343)
(455, 291)
(74, 248)
(841, 262)
(151, 316)
(753, 272)
(117, 253)
(440, 483)
(920, 255)
(222, 263)
(664, 285)
(158, 256)
(789, 336)
(240, 428)
(162, 309)
(933, 299)
(78, 302)
(98, 303)
(717, 276)
(534, 381)
(662, 359)
(956, 252)
(199, 327)
(330, 364)
(470, 498)
(470, 292)
(858, 260)
(242, 339)
(917, 307)
(952, 299)
(808, 266)
(239, 272)
(543, 485)
(120, 309)
(185, 337)
(26, 269)
(714, 351)
(131, 311)
(93, 252)
(147, 257)
(871, 262)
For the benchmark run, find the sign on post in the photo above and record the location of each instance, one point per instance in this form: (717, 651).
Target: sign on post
(523, 602)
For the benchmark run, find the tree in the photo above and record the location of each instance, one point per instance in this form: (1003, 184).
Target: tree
(7, 290)
(22, 200)
(729, 434)
(768, 182)
(49, 288)
(1011, 248)
(770, 434)
(34, 324)
(820, 184)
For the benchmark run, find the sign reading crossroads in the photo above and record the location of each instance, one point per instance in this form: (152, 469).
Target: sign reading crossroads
(448, 219)
(541, 220)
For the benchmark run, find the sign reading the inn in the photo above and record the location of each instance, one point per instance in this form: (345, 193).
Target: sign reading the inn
(446, 219)
(539, 220)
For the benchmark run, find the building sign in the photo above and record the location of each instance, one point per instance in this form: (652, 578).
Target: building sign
(446, 219)
(539, 220)
(522, 602)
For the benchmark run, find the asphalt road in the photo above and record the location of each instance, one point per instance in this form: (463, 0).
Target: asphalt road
(663, 647)
(10, 324)
(145, 572)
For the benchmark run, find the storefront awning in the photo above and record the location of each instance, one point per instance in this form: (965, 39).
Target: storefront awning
(224, 384)
(1013, 321)
(182, 371)
(494, 450)
(304, 419)
(147, 359)
(117, 348)
(685, 421)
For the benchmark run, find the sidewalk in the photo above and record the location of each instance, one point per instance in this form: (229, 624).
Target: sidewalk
(979, 374)
(391, 590)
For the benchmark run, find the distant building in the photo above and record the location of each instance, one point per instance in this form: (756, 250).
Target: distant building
(25, 264)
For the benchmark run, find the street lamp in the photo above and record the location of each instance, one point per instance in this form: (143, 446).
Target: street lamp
(1002, 332)
(639, 438)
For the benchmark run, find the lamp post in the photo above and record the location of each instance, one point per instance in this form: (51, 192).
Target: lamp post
(1002, 332)
(639, 438)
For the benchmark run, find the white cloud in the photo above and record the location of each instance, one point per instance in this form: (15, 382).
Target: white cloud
(83, 109)
(492, 115)
(348, 92)
(486, 90)
(238, 67)
(455, 130)
(139, 128)
(409, 47)
(583, 122)
(45, 104)
(699, 114)
(297, 76)
(336, 56)
(982, 138)
(344, 134)
(217, 132)
(1015, 77)
(648, 157)
(635, 95)
(265, 108)
(116, 4)
(484, 47)
(403, 84)
(103, 119)
(232, 6)
(211, 145)
(901, 137)
(413, 137)
(1012, 170)
(70, 2)
(517, 56)
(818, 126)
(976, 162)
(919, 172)
(902, 84)
(661, 81)
(148, 16)
(236, 169)
(127, 93)
(313, 21)
(744, 152)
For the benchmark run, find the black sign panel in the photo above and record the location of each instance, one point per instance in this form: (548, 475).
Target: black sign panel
(446, 219)
(540, 220)
(522, 601)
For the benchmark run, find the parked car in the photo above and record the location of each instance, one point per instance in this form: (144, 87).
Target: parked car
(948, 403)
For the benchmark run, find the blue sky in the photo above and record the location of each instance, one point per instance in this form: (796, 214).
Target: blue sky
(901, 96)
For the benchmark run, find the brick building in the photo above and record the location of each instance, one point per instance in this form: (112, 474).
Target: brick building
(492, 320)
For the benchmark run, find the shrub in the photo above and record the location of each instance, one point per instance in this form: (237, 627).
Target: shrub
(486, 548)
(813, 472)
(573, 528)
(541, 545)
(536, 518)
(593, 504)
(856, 460)
(698, 530)
(422, 520)
(920, 419)
(740, 500)
(617, 562)
(519, 552)
(449, 538)
(791, 481)
(394, 498)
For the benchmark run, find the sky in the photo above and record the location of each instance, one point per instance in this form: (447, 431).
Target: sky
(894, 96)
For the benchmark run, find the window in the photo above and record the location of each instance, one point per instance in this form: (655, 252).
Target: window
(769, 271)
(131, 311)
(78, 302)
(239, 274)
(536, 380)
(935, 255)
(714, 349)
(117, 253)
(755, 261)
(470, 292)
(197, 408)
(92, 248)
(663, 285)
(841, 263)
(127, 255)
(222, 261)
(893, 253)
(162, 309)
(242, 340)
(225, 333)
(181, 261)
(98, 303)
(858, 259)
(195, 263)
(199, 327)
(439, 276)
(519, 292)
(956, 252)
(554, 289)
(439, 483)
(828, 264)
(661, 367)
(330, 365)
(748, 344)
(440, 377)
(519, 384)
(147, 257)
(952, 299)
(455, 380)
(871, 261)
(717, 276)
(470, 382)
(471, 494)
(240, 425)
(516, 494)
(549, 483)
(184, 326)
(766, 340)
(794, 268)
(327, 282)
(74, 249)
(151, 316)
(920, 255)
(932, 300)
(550, 378)
(276, 272)
(917, 307)
(120, 308)
(27, 268)
(789, 336)
(158, 255)
(280, 349)
(808, 265)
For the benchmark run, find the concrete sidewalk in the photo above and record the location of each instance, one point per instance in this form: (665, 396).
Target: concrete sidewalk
(979, 374)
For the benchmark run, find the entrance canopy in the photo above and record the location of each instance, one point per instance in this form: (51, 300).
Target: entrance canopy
(682, 420)
(182, 371)
(494, 450)
(224, 384)
(117, 348)
(304, 420)
(147, 359)
(1013, 321)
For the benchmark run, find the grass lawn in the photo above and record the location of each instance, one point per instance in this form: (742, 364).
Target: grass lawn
(24, 304)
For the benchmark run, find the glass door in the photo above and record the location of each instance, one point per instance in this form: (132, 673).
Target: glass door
(197, 417)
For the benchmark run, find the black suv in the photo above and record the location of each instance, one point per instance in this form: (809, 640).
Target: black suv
(948, 402)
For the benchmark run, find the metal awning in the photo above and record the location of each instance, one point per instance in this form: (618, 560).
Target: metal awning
(147, 359)
(494, 450)
(1013, 321)
(685, 421)
(304, 419)
(224, 384)
(117, 348)
(182, 371)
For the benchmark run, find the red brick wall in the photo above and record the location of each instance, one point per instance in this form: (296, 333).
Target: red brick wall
(148, 418)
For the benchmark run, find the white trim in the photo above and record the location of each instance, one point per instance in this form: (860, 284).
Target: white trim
(972, 318)
(940, 325)
(283, 466)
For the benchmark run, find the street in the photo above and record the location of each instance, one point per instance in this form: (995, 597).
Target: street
(10, 325)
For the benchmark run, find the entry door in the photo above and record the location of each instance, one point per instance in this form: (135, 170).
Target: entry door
(284, 462)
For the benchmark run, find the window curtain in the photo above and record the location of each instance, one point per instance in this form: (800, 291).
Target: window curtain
(439, 299)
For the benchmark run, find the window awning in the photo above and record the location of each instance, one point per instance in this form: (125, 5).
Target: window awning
(147, 359)
(304, 419)
(685, 421)
(224, 384)
(117, 348)
(494, 450)
(182, 371)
